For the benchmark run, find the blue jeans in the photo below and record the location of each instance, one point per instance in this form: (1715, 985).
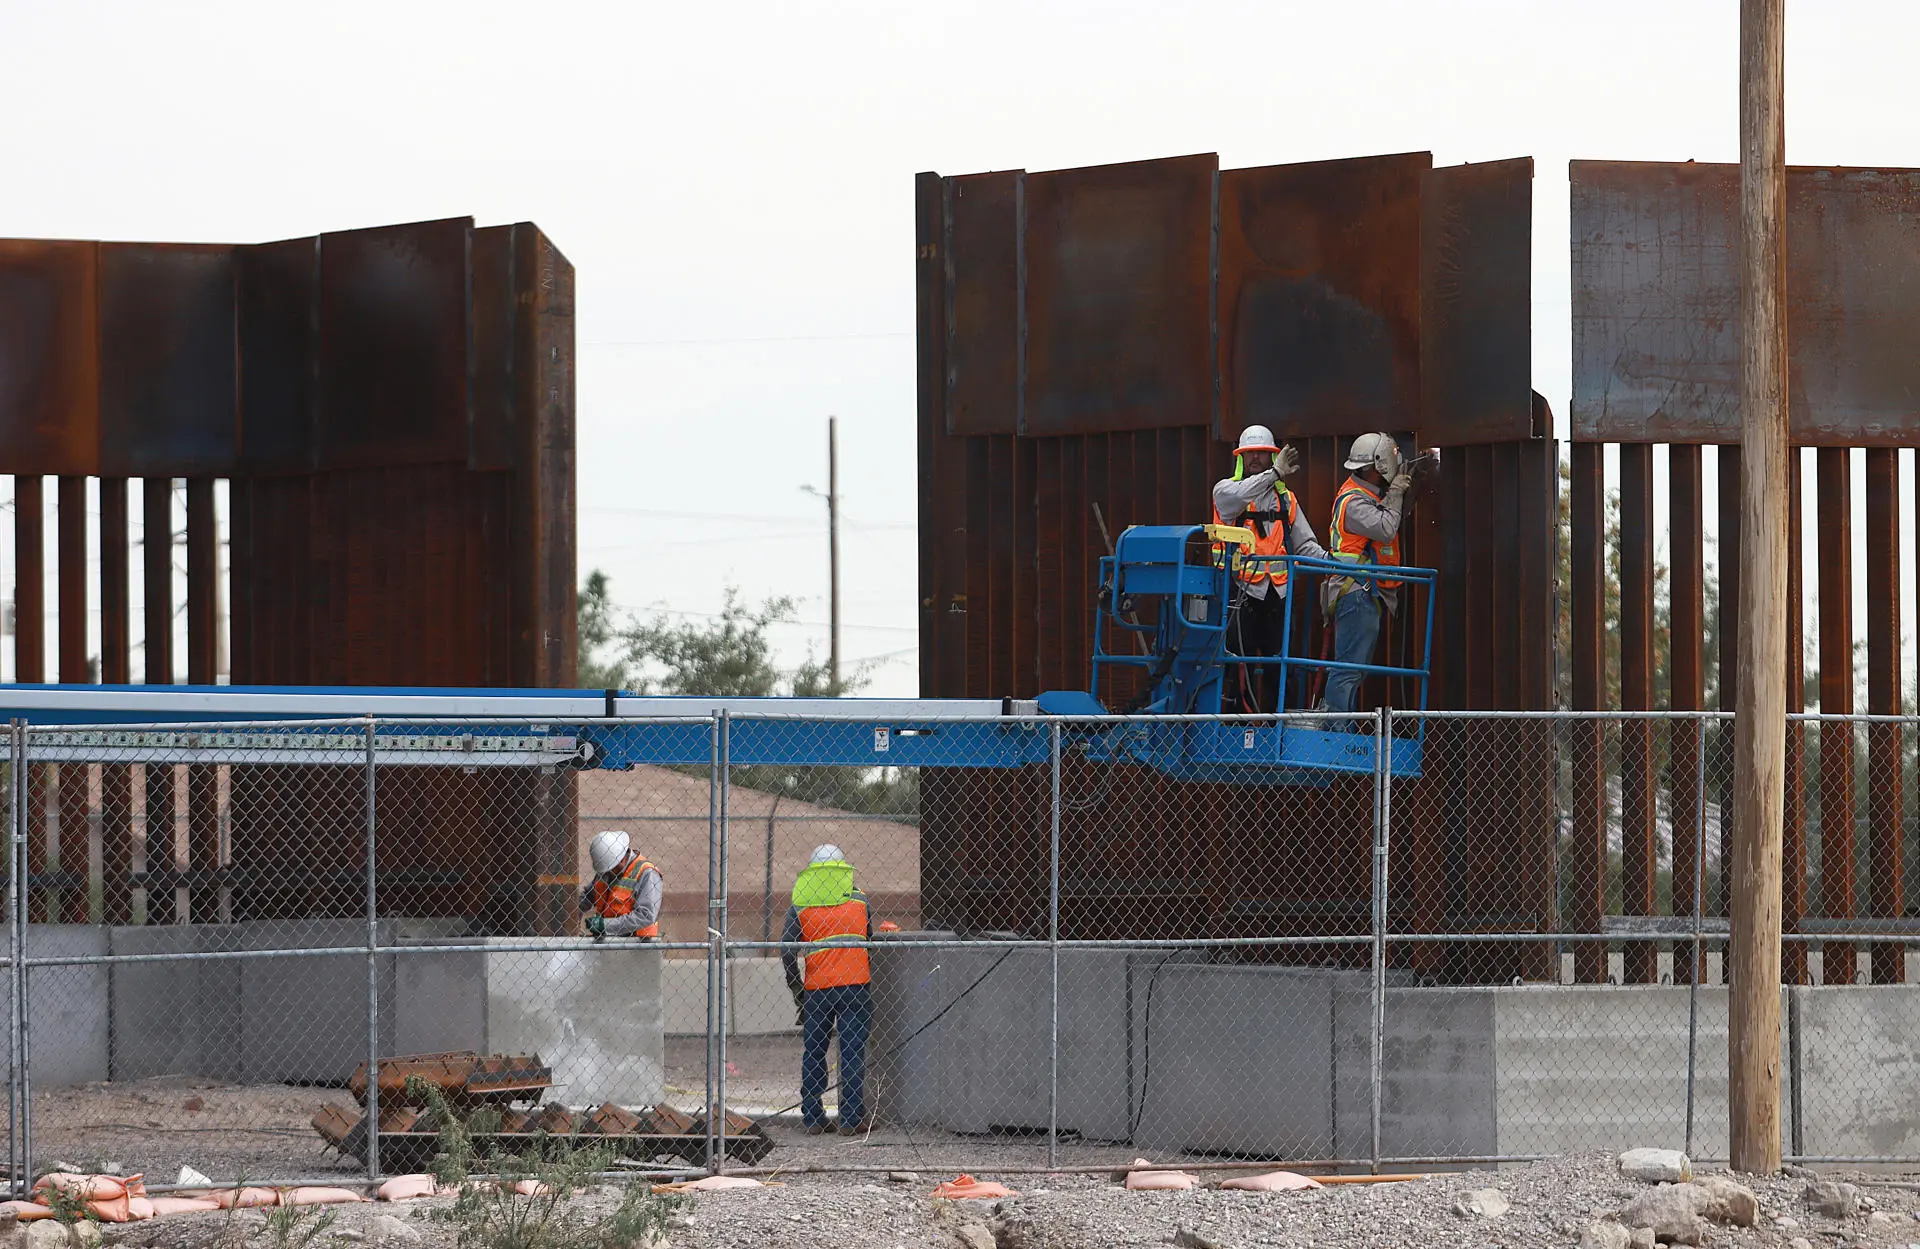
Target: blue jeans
(1356, 628)
(848, 1009)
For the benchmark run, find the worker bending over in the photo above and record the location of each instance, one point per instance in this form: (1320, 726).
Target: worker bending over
(1255, 498)
(829, 914)
(624, 898)
(1365, 530)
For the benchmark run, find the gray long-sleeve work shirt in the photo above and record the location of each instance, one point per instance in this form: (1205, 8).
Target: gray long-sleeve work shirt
(1376, 518)
(646, 905)
(1234, 499)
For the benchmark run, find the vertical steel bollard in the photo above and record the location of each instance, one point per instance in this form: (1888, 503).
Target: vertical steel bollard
(1377, 1023)
(373, 974)
(1699, 910)
(720, 945)
(714, 789)
(1053, 951)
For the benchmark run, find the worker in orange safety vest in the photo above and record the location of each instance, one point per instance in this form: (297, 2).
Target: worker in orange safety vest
(832, 995)
(1365, 530)
(623, 899)
(1256, 498)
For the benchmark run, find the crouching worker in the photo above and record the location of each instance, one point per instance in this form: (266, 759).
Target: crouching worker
(829, 915)
(624, 898)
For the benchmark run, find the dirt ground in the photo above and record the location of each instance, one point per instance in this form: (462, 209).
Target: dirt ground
(1552, 1204)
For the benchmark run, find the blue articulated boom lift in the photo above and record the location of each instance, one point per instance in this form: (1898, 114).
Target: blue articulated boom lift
(1165, 590)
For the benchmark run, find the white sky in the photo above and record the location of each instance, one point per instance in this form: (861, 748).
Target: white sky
(734, 183)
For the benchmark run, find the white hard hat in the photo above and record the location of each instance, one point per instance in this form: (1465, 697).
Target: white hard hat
(1256, 438)
(607, 849)
(828, 853)
(1375, 451)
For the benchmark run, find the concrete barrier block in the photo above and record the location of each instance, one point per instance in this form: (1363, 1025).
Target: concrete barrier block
(68, 1008)
(1860, 1069)
(175, 1018)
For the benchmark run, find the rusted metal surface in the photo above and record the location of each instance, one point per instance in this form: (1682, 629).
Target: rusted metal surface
(1638, 852)
(1793, 820)
(204, 859)
(156, 558)
(942, 497)
(493, 441)
(1837, 831)
(1886, 866)
(1686, 642)
(116, 668)
(1728, 573)
(168, 394)
(30, 580)
(982, 246)
(1476, 309)
(278, 326)
(71, 615)
(1119, 297)
(1319, 302)
(1587, 669)
(393, 345)
(49, 357)
(1655, 350)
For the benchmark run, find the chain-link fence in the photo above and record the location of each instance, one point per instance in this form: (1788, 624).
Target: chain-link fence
(1407, 938)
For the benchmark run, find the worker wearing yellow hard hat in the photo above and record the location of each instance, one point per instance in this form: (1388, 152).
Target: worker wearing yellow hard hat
(1256, 497)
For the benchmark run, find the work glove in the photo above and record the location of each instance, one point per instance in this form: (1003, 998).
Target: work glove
(597, 925)
(1401, 483)
(586, 898)
(1286, 463)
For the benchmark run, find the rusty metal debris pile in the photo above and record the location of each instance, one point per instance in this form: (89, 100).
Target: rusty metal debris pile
(498, 1097)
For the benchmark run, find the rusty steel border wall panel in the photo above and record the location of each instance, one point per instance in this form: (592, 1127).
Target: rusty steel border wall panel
(942, 584)
(1319, 303)
(494, 432)
(1118, 263)
(544, 632)
(1476, 305)
(1655, 351)
(169, 359)
(1838, 832)
(393, 378)
(278, 310)
(985, 292)
(49, 357)
(1886, 866)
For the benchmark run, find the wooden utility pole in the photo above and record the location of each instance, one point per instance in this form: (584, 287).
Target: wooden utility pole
(833, 552)
(1759, 763)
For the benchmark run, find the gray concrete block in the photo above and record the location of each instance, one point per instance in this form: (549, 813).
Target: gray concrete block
(175, 1018)
(1860, 1069)
(304, 1019)
(593, 1015)
(683, 996)
(67, 1007)
(439, 1001)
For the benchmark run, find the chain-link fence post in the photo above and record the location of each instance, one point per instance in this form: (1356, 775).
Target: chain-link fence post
(715, 788)
(1382, 799)
(1053, 951)
(720, 949)
(16, 978)
(1699, 967)
(373, 968)
(24, 829)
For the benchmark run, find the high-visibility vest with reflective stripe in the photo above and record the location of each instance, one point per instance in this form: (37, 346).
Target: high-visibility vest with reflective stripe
(612, 901)
(1354, 548)
(825, 927)
(1269, 538)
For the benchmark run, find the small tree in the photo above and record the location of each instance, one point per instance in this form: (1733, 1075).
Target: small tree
(596, 631)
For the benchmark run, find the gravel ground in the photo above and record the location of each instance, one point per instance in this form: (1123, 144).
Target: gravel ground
(1551, 1204)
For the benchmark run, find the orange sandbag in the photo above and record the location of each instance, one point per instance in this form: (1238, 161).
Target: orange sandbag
(26, 1211)
(244, 1198)
(318, 1196)
(408, 1187)
(181, 1205)
(716, 1183)
(1158, 1181)
(965, 1187)
(139, 1208)
(1271, 1182)
(106, 1196)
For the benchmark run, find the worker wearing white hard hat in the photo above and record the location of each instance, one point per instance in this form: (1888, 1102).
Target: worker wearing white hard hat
(1256, 497)
(833, 994)
(1365, 529)
(623, 899)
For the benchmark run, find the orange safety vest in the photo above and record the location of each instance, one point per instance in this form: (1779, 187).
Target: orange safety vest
(1269, 538)
(1353, 548)
(613, 901)
(829, 967)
